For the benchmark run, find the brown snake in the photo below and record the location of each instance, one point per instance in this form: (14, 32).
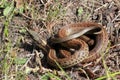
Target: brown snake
(71, 36)
(67, 36)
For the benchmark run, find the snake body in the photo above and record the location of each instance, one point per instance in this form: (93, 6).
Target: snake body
(70, 35)
(71, 59)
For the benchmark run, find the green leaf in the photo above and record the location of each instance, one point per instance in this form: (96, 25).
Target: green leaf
(20, 61)
(6, 29)
(80, 10)
(22, 31)
(21, 10)
(7, 11)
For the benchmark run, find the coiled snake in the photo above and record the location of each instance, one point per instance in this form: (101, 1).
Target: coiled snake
(73, 38)
(70, 37)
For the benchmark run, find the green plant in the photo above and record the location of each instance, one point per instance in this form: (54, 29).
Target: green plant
(51, 75)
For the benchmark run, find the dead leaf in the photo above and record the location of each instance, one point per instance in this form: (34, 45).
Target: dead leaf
(19, 3)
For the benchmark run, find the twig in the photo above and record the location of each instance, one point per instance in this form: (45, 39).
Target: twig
(101, 7)
(26, 16)
(116, 17)
(25, 63)
(115, 45)
(117, 3)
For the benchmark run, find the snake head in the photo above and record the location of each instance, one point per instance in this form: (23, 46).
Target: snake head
(41, 42)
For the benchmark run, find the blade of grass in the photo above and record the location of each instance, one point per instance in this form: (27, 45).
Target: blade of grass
(111, 75)
(68, 78)
(85, 73)
(108, 73)
(45, 77)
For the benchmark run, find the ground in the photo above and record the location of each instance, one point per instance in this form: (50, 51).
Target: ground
(22, 59)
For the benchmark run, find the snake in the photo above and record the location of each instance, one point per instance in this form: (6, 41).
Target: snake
(70, 36)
